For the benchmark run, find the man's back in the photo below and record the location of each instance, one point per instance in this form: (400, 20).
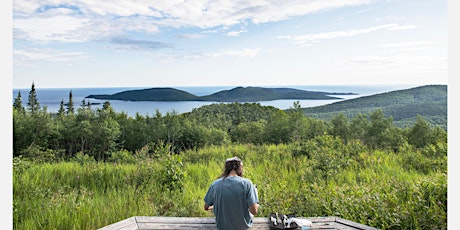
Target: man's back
(231, 197)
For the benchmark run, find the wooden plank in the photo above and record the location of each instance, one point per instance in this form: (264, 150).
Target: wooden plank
(260, 223)
(208, 223)
(175, 220)
(147, 222)
(323, 225)
(126, 224)
(354, 224)
(166, 226)
(333, 222)
(321, 219)
(198, 220)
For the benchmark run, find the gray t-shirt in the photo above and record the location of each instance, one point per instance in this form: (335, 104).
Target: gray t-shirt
(231, 197)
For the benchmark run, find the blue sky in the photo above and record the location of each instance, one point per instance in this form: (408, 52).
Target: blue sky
(88, 43)
(256, 42)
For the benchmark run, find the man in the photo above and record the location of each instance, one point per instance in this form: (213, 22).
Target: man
(233, 199)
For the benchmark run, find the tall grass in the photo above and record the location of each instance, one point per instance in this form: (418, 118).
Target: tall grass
(404, 190)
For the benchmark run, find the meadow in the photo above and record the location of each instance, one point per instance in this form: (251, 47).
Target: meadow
(85, 168)
(324, 176)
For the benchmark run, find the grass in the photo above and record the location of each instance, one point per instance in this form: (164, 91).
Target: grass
(372, 187)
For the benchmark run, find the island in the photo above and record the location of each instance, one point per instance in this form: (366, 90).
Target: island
(237, 94)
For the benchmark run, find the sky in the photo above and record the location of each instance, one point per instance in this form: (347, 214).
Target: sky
(119, 43)
(228, 42)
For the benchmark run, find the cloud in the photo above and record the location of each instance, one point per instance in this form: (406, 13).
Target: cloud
(408, 46)
(190, 36)
(33, 56)
(83, 20)
(402, 57)
(58, 28)
(236, 33)
(399, 63)
(239, 53)
(76, 29)
(235, 53)
(305, 38)
(133, 44)
(87, 7)
(406, 27)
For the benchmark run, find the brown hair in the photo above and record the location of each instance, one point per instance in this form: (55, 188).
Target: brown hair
(233, 163)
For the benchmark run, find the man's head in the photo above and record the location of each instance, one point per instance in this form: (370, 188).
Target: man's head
(233, 163)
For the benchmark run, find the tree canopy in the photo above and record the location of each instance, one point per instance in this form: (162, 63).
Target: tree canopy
(99, 132)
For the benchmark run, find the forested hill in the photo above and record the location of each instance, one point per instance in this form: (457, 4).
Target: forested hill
(238, 94)
(403, 106)
(153, 94)
(252, 94)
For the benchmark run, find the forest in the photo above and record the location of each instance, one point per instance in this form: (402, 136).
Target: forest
(84, 168)
(429, 101)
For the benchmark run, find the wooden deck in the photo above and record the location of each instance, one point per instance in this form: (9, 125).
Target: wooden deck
(208, 223)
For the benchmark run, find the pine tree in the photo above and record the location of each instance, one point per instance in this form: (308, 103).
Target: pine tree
(106, 105)
(33, 105)
(18, 103)
(83, 103)
(70, 108)
(61, 111)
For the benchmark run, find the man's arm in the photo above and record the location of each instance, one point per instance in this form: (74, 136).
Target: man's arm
(254, 208)
(207, 207)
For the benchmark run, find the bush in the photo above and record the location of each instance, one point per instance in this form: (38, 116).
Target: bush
(41, 155)
(20, 164)
(83, 158)
(122, 156)
(172, 176)
(154, 150)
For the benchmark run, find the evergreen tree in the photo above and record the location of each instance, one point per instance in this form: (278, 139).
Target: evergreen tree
(18, 103)
(83, 103)
(106, 105)
(61, 111)
(296, 107)
(107, 109)
(32, 105)
(70, 108)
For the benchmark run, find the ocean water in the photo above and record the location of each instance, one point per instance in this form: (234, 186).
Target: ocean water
(52, 97)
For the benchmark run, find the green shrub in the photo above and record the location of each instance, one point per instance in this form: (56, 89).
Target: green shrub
(41, 155)
(172, 176)
(83, 158)
(121, 156)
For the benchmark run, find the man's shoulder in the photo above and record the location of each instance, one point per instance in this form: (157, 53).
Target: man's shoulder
(245, 180)
(216, 181)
